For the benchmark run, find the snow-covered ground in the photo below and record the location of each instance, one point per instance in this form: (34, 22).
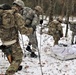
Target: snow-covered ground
(50, 64)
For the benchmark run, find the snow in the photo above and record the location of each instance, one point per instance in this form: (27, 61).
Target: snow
(50, 64)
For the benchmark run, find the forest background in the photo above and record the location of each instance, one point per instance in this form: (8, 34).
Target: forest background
(59, 7)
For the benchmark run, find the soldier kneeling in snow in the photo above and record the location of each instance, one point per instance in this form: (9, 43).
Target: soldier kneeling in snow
(55, 29)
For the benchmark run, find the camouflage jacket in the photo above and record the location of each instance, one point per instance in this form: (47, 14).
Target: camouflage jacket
(55, 28)
(30, 16)
(73, 28)
(12, 23)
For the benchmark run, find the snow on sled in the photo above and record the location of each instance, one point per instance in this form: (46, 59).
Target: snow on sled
(64, 53)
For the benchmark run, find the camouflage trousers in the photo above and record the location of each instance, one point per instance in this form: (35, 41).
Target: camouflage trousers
(16, 59)
(33, 40)
(72, 40)
(56, 38)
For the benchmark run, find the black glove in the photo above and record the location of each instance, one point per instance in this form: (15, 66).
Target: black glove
(41, 21)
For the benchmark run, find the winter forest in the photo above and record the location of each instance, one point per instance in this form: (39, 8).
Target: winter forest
(52, 59)
(58, 6)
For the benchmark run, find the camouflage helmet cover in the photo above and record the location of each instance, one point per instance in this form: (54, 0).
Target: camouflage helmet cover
(19, 3)
(39, 9)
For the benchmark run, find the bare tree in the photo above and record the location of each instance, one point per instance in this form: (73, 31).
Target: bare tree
(39, 2)
(63, 9)
(67, 16)
(72, 9)
(51, 11)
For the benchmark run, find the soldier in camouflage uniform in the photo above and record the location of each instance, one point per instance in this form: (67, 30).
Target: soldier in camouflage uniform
(12, 21)
(72, 28)
(55, 29)
(32, 19)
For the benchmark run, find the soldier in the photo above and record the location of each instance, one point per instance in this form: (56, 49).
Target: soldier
(12, 21)
(55, 29)
(32, 19)
(72, 28)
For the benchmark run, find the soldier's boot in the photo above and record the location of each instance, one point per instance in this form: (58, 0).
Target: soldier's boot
(33, 55)
(75, 42)
(28, 48)
(72, 43)
(19, 68)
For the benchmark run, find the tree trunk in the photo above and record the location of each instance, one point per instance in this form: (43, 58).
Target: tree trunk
(72, 9)
(67, 16)
(42, 3)
(54, 13)
(51, 11)
(63, 9)
(35, 3)
(39, 2)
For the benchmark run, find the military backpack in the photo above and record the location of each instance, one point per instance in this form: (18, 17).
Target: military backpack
(7, 19)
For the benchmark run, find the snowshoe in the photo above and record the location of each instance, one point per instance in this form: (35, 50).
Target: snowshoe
(33, 55)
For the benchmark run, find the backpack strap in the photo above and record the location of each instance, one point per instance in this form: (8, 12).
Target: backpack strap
(1, 12)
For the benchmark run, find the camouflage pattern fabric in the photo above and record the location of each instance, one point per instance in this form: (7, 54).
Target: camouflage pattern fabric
(25, 12)
(16, 59)
(1, 11)
(30, 15)
(9, 32)
(55, 29)
(31, 20)
(33, 40)
(73, 29)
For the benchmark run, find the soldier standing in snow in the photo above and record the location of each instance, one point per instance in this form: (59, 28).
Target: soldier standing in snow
(55, 29)
(32, 19)
(11, 22)
(72, 28)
